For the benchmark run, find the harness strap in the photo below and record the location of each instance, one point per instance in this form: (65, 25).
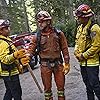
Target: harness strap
(51, 63)
(49, 59)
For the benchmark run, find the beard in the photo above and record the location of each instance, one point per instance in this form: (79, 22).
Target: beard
(44, 29)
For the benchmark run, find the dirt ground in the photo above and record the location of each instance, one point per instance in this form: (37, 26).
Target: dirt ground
(74, 87)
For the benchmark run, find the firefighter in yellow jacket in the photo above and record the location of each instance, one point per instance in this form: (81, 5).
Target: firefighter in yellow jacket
(87, 50)
(9, 63)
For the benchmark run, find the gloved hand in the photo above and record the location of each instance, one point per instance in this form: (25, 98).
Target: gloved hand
(19, 54)
(66, 68)
(25, 61)
(20, 69)
(80, 57)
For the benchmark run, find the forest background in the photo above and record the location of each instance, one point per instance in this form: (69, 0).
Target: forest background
(21, 14)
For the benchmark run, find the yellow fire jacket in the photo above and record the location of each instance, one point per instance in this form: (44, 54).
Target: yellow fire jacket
(89, 45)
(7, 58)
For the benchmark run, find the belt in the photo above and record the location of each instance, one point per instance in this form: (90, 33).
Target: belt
(49, 59)
(51, 63)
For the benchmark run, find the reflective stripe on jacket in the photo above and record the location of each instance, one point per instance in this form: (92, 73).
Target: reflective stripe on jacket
(7, 58)
(89, 45)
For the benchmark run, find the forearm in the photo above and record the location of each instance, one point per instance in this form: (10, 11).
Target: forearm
(94, 48)
(91, 51)
(66, 55)
(65, 49)
(31, 49)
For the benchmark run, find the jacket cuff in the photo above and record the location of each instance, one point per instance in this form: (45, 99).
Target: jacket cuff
(85, 55)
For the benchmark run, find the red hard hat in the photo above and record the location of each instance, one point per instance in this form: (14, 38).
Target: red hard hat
(43, 15)
(4, 23)
(84, 11)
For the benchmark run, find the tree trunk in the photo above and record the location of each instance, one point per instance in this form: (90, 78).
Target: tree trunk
(25, 16)
(3, 9)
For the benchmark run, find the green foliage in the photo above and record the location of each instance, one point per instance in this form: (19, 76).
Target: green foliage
(17, 16)
(69, 30)
(60, 10)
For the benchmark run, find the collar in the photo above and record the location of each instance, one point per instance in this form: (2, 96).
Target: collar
(49, 31)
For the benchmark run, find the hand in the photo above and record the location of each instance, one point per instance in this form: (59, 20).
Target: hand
(80, 57)
(66, 68)
(20, 69)
(25, 61)
(19, 54)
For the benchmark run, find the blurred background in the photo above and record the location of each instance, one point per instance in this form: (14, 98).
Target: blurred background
(21, 14)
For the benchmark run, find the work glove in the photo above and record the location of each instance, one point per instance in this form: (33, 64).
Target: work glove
(80, 57)
(66, 68)
(20, 69)
(19, 54)
(25, 61)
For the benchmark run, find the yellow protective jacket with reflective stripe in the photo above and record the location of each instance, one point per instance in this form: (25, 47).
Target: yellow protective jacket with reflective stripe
(7, 58)
(88, 45)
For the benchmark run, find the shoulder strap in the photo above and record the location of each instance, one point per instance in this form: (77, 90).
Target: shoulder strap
(58, 32)
(89, 29)
(38, 42)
